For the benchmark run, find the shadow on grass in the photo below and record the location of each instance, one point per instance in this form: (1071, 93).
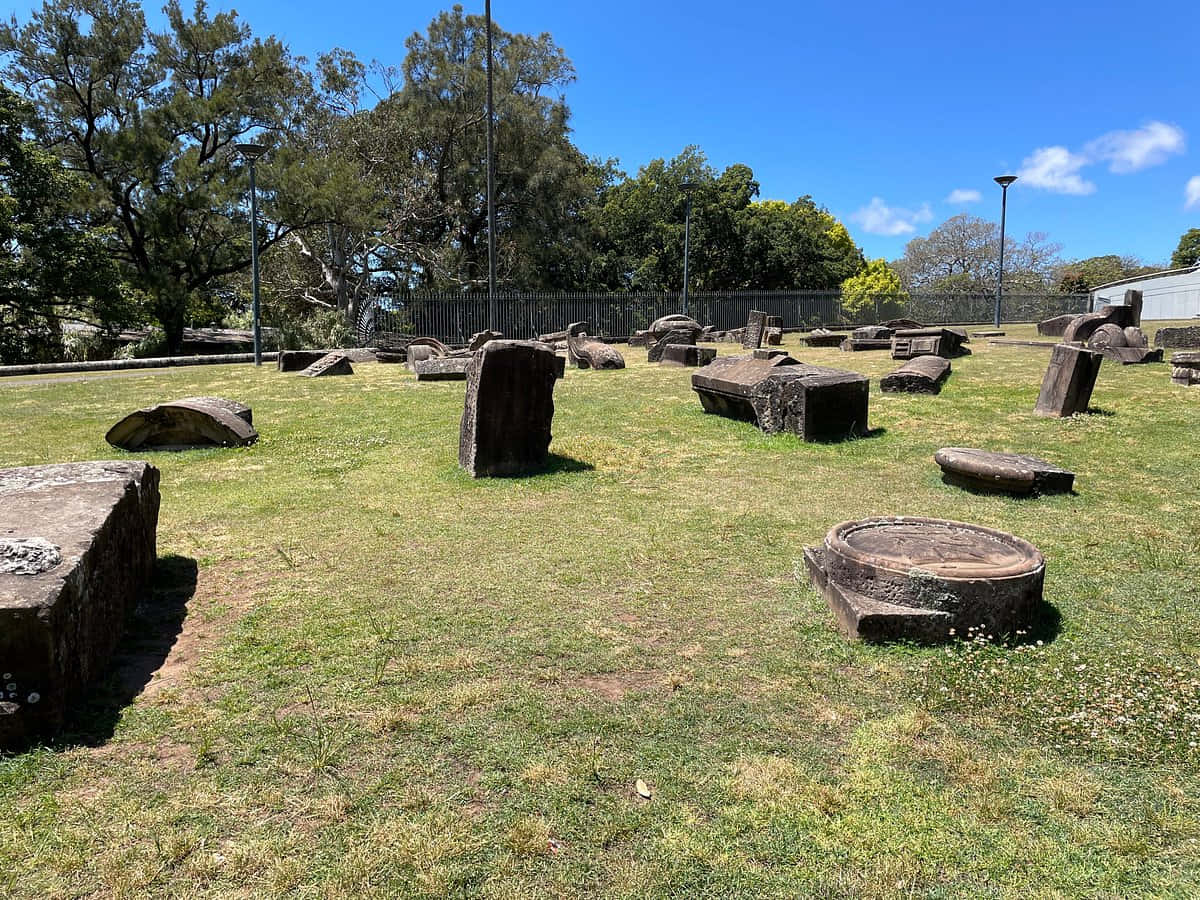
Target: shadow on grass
(982, 491)
(867, 435)
(150, 633)
(1097, 411)
(556, 463)
(1044, 625)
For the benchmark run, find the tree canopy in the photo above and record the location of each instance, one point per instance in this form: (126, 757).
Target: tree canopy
(1187, 252)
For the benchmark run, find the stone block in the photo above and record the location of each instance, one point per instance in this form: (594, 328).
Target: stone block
(926, 580)
(1172, 338)
(676, 337)
(508, 409)
(756, 325)
(185, 424)
(588, 353)
(297, 360)
(1185, 368)
(77, 550)
(1055, 327)
(780, 394)
(945, 342)
(443, 368)
(774, 332)
(1008, 473)
(482, 337)
(823, 337)
(687, 355)
(329, 364)
(920, 375)
(1069, 380)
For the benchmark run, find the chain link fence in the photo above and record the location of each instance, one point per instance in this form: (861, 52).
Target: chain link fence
(453, 318)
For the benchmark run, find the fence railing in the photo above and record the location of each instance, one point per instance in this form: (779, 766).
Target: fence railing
(453, 318)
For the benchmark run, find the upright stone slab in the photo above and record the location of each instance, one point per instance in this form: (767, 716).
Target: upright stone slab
(926, 580)
(777, 393)
(329, 364)
(1185, 368)
(77, 550)
(921, 375)
(508, 410)
(756, 324)
(774, 331)
(1133, 299)
(185, 424)
(1007, 473)
(588, 353)
(443, 368)
(1069, 380)
(1175, 338)
(687, 355)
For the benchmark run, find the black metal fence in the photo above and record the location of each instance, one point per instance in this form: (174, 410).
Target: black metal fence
(453, 318)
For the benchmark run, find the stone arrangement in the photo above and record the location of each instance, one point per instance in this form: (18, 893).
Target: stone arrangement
(778, 394)
(1176, 338)
(913, 342)
(442, 368)
(687, 355)
(330, 364)
(869, 337)
(920, 375)
(678, 337)
(587, 353)
(756, 326)
(508, 410)
(77, 551)
(1185, 368)
(186, 424)
(926, 580)
(1008, 473)
(1069, 380)
(1114, 331)
(664, 324)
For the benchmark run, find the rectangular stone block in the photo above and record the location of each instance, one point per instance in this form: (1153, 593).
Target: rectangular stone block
(687, 355)
(77, 551)
(297, 360)
(508, 409)
(921, 375)
(780, 394)
(442, 368)
(1069, 380)
(945, 342)
(330, 364)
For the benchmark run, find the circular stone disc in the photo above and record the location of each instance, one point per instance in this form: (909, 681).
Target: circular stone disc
(949, 550)
(1006, 471)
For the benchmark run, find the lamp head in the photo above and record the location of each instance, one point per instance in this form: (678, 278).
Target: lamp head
(687, 186)
(1005, 180)
(250, 152)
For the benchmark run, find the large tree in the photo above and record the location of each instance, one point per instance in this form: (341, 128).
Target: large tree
(1083, 275)
(962, 255)
(150, 119)
(53, 267)
(1187, 252)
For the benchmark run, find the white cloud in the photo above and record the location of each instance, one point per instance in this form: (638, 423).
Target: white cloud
(1055, 169)
(879, 218)
(1192, 191)
(963, 196)
(1132, 151)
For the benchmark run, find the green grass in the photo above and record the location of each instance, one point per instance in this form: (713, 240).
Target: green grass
(395, 681)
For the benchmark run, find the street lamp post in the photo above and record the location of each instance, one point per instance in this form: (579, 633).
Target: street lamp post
(1004, 181)
(491, 173)
(251, 153)
(687, 187)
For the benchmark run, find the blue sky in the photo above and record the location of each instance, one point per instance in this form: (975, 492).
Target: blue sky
(881, 111)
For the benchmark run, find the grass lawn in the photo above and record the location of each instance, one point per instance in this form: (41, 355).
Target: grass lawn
(386, 679)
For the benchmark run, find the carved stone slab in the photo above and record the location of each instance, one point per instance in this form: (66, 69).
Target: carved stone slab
(442, 368)
(508, 409)
(1069, 380)
(944, 342)
(1082, 327)
(437, 347)
(479, 338)
(926, 580)
(1125, 345)
(756, 324)
(1185, 368)
(77, 551)
(329, 364)
(687, 355)
(780, 394)
(1178, 337)
(1008, 473)
(184, 424)
(297, 360)
(586, 353)
(921, 375)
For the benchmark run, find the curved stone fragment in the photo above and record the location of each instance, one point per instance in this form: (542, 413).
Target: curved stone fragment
(673, 322)
(926, 580)
(184, 424)
(1107, 335)
(920, 375)
(1083, 327)
(438, 348)
(587, 353)
(1009, 473)
(482, 337)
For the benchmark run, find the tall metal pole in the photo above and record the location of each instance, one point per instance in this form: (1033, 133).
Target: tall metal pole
(687, 238)
(1004, 181)
(491, 174)
(254, 265)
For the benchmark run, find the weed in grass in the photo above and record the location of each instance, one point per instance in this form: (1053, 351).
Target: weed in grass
(318, 743)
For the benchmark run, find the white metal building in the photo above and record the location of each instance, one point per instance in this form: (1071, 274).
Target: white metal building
(1173, 294)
